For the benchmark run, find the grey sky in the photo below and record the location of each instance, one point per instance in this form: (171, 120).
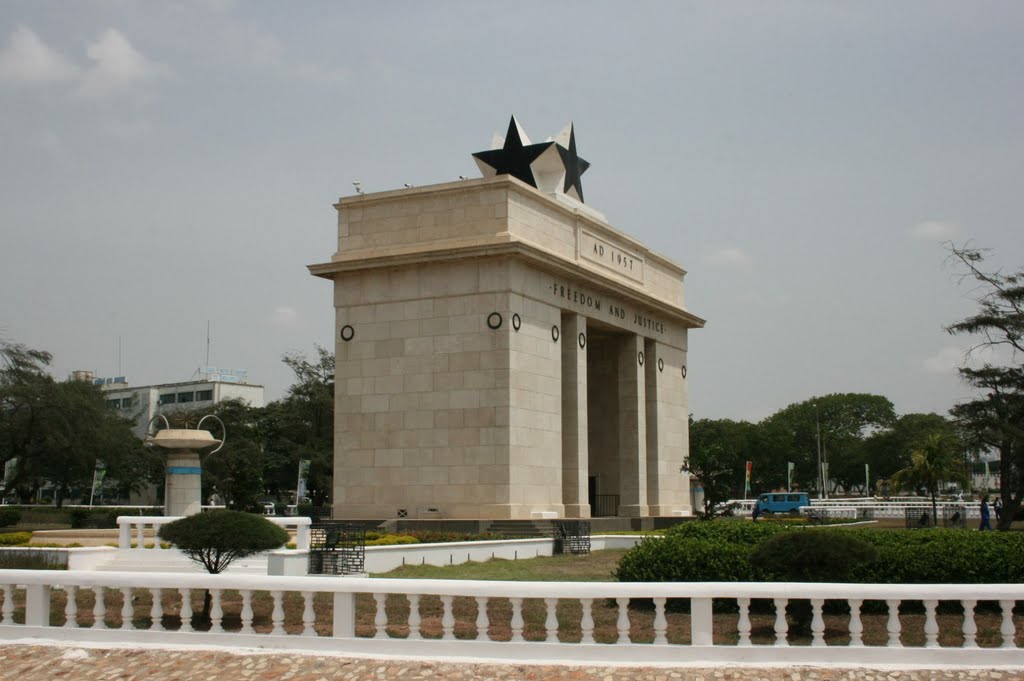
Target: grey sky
(162, 164)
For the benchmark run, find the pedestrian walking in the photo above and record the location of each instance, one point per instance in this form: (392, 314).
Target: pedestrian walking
(986, 523)
(997, 506)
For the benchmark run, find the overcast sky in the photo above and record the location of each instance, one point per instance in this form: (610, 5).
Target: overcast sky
(165, 164)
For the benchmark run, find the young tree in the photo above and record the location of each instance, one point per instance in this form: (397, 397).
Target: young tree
(718, 450)
(217, 538)
(933, 461)
(995, 419)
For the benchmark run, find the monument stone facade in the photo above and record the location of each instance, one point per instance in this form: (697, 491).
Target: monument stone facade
(501, 353)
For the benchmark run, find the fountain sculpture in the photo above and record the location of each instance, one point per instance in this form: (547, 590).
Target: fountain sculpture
(183, 487)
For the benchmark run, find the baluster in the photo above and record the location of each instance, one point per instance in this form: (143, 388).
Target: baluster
(156, 613)
(277, 616)
(587, 621)
(551, 622)
(622, 623)
(414, 617)
(483, 624)
(856, 626)
(970, 626)
(127, 611)
(186, 609)
(893, 624)
(140, 536)
(380, 620)
(931, 625)
(71, 607)
(817, 623)
(99, 609)
(781, 625)
(660, 622)
(1007, 629)
(216, 611)
(8, 609)
(246, 614)
(308, 615)
(743, 625)
(517, 619)
(447, 619)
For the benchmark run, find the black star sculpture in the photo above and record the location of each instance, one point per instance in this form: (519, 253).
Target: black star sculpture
(534, 165)
(574, 166)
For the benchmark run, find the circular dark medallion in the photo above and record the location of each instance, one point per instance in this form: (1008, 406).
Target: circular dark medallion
(516, 321)
(684, 371)
(494, 320)
(554, 333)
(347, 333)
(583, 340)
(661, 364)
(640, 357)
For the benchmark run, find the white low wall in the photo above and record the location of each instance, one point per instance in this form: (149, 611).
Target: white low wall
(331, 626)
(381, 559)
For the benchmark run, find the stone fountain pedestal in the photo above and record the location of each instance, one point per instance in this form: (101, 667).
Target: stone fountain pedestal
(183, 493)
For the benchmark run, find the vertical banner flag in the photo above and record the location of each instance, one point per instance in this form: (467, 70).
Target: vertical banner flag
(98, 474)
(867, 480)
(746, 481)
(789, 475)
(986, 476)
(300, 488)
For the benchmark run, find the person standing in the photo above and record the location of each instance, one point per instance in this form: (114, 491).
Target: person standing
(986, 523)
(997, 506)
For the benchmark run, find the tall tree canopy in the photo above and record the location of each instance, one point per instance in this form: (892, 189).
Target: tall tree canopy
(995, 419)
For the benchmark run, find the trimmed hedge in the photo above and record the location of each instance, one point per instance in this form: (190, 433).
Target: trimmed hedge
(9, 516)
(15, 538)
(720, 551)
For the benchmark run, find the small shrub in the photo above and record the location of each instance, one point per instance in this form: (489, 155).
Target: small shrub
(9, 516)
(392, 540)
(818, 556)
(216, 538)
(15, 538)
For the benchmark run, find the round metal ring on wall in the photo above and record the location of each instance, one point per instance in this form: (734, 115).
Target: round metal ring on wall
(516, 321)
(583, 340)
(684, 371)
(494, 320)
(347, 333)
(640, 357)
(554, 333)
(661, 364)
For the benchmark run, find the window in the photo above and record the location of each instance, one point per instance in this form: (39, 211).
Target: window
(204, 396)
(185, 397)
(168, 398)
(114, 404)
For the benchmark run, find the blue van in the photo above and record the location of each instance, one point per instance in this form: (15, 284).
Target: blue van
(782, 502)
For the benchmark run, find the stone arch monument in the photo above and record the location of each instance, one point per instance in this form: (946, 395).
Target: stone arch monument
(502, 352)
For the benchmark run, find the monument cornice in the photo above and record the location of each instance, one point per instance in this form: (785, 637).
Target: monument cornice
(499, 245)
(580, 212)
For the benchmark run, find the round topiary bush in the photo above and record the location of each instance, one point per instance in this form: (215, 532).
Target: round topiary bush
(216, 538)
(812, 556)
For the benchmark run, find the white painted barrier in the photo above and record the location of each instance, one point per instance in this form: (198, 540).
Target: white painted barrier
(331, 625)
(130, 526)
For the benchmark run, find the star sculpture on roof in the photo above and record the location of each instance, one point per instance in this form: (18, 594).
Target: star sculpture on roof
(549, 166)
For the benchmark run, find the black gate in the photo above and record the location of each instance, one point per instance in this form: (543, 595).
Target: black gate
(571, 536)
(336, 548)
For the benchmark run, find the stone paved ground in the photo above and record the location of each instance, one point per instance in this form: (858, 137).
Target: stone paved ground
(34, 663)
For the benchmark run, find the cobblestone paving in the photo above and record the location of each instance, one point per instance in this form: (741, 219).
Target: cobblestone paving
(32, 663)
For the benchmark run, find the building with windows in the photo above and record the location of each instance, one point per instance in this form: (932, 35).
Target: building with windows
(145, 402)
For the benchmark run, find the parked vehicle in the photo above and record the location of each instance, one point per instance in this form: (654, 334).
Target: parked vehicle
(782, 502)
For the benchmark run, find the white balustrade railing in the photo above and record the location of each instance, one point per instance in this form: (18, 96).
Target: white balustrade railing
(132, 528)
(571, 622)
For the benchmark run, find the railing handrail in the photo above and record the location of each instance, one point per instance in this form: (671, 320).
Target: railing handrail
(448, 587)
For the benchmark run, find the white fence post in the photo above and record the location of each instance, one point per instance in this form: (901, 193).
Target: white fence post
(124, 532)
(344, 614)
(700, 621)
(37, 605)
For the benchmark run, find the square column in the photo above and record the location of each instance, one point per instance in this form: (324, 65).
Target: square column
(668, 491)
(632, 428)
(575, 468)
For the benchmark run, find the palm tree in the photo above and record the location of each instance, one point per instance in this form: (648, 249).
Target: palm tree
(932, 461)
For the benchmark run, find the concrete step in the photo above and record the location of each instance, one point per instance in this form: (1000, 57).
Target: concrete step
(521, 528)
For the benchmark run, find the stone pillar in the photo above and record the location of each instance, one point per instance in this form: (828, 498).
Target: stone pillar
(183, 493)
(632, 428)
(575, 468)
(667, 439)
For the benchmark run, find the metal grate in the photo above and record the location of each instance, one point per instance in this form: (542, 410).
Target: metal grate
(605, 506)
(954, 516)
(571, 536)
(336, 548)
(918, 518)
